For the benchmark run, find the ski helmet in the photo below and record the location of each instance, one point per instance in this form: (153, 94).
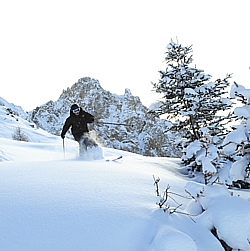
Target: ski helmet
(74, 106)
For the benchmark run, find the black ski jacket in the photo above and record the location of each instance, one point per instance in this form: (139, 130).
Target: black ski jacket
(78, 123)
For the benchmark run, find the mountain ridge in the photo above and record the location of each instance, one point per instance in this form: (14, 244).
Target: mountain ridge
(146, 135)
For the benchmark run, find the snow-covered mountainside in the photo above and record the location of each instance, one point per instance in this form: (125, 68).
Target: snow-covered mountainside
(56, 202)
(12, 110)
(12, 121)
(143, 133)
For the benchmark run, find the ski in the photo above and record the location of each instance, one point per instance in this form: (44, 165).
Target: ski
(117, 158)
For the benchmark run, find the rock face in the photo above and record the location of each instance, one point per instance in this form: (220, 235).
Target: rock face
(12, 109)
(143, 133)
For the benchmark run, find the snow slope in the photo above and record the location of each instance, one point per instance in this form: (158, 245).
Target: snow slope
(52, 202)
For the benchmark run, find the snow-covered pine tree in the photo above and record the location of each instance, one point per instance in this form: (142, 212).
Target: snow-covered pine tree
(237, 143)
(190, 101)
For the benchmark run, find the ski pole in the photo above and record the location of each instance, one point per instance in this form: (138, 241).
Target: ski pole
(110, 123)
(63, 149)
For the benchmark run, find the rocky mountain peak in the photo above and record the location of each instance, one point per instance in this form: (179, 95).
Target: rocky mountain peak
(143, 133)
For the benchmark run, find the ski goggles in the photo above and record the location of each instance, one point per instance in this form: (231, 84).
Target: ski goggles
(76, 110)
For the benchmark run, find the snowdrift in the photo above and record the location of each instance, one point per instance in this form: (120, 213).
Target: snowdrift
(49, 202)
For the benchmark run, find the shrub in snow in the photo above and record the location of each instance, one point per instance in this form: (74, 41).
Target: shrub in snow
(19, 135)
(164, 199)
(221, 211)
(211, 206)
(205, 194)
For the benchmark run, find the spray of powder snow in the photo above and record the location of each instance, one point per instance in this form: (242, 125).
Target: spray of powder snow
(94, 150)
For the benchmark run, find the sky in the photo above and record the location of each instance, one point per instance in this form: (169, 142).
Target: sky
(51, 201)
(46, 46)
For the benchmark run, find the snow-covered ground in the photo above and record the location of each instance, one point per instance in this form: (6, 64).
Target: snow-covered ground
(50, 201)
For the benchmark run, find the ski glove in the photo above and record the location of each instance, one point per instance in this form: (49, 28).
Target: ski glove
(91, 120)
(62, 136)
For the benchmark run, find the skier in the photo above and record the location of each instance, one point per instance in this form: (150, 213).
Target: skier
(78, 120)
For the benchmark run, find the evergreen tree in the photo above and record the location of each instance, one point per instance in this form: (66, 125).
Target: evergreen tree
(190, 100)
(236, 146)
(19, 135)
